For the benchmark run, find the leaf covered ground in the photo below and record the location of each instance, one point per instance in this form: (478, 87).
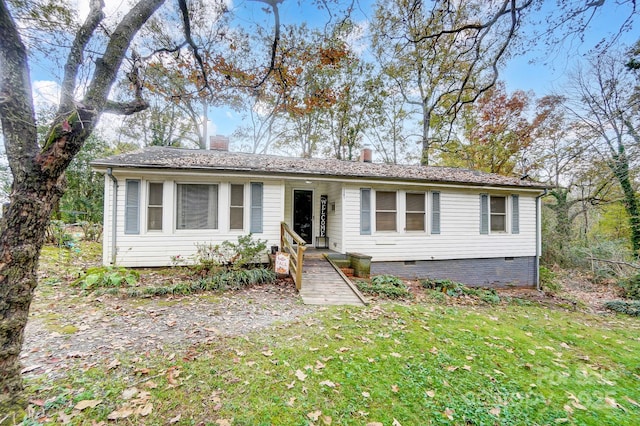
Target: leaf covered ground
(388, 363)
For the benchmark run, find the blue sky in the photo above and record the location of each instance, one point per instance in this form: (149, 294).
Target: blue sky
(542, 71)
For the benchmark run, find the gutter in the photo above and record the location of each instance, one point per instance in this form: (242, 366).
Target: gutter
(114, 215)
(538, 238)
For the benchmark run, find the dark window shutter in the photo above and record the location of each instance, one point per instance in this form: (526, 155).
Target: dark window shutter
(515, 214)
(256, 207)
(132, 207)
(435, 212)
(365, 211)
(484, 213)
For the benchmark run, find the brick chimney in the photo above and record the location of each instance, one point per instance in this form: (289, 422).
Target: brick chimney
(366, 155)
(218, 143)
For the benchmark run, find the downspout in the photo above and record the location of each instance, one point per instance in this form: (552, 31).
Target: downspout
(538, 239)
(114, 215)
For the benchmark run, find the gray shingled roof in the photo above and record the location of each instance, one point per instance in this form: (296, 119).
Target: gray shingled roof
(179, 159)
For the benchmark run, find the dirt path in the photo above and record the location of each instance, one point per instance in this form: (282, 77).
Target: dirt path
(65, 329)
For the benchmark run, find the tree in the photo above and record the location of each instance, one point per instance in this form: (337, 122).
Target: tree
(496, 132)
(602, 101)
(38, 169)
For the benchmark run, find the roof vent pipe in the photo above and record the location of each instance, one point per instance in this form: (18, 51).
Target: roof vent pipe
(366, 155)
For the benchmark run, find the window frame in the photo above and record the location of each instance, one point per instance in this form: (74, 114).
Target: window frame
(408, 212)
(216, 206)
(237, 208)
(386, 211)
(155, 206)
(503, 214)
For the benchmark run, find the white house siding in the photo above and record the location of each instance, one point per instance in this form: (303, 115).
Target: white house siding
(334, 217)
(155, 248)
(460, 236)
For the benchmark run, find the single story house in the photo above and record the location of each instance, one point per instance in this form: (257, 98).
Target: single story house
(477, 228)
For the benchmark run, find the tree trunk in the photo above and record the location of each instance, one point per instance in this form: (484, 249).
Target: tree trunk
(621, 171)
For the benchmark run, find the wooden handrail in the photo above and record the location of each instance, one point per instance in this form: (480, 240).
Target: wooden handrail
(296, 254)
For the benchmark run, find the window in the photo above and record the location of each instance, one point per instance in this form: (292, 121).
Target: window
(236, 209)
(197, 206)
(435, 212)
(365, 211)
(132, 207)
(414, 212)
(385, 211)
(154, 207)
(498, 214)
(256, 207)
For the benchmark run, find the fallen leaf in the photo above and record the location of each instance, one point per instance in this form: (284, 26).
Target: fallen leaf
(612, 402)
(495, 411)
(343, 349)
(87, 403)
(395, 423)
(564, 345)
(431, 393)
(224, 422)
(448, 413)
(452, 368)
(314, 415)
(568, 409)
(150, 384)
(328, 383)
(366, 394)
(532, 352)
(291, 401)
(631, 401)
(113, 364)
(127, 394)
(267, 353)
(327, 420)
(396, 355)
(562, 420)
(466, 367)
(122, 413)
(319, 365)
(65, 418)
(291, 385)
(375, 424)
(434, 350)
(394, 388)
(175, 419)
(145, 410)
(578, 405)
(301, 376)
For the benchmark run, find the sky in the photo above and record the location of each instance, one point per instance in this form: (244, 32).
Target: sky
(538, 70)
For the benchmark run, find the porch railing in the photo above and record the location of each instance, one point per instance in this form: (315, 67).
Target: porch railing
(295, 246)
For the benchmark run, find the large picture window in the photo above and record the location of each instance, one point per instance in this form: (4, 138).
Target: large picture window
(385, 211)
(236, 208)
(197, 206)
(415, 212)
(154, 207)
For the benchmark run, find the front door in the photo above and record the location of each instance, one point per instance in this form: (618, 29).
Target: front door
(303, 214)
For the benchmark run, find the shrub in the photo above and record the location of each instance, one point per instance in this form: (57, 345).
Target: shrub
(384, 285)
(228, 255)
(92, 231)
(625, 307)
(548, 280)
(631, 287)
(109, 277)
(57, 234)
(456, 289)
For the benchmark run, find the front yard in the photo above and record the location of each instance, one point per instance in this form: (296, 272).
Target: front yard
(258, 356)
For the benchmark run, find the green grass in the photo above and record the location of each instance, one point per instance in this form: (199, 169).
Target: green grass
(417, 364)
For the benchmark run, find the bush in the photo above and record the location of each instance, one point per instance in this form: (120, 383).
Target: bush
(108, 277)
(384, 285)
(548, 281)
(631, 287)
(57, 234)
(91, 231)
(625, 307)
(456, 289)
(228, 255)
